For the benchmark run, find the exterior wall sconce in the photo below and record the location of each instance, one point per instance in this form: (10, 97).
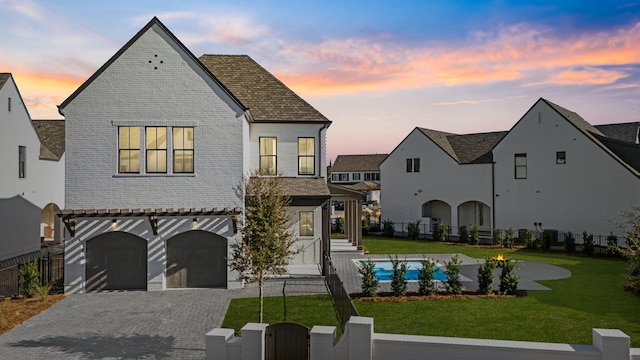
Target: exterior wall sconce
(114, 224)
(194, 224)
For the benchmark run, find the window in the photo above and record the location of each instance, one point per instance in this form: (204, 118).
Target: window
(128, 149)
(561, 157)
(306, 156)
(371, 176)
(343, 177)
(334, 177)
(9, 104)
(183, 150)
(156, 149)
(413, 165)
(355, 176)
(521, 166)
(306, 223)
(22, 162)
(268, 156)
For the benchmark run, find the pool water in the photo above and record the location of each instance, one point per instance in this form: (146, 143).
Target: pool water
(384, 270)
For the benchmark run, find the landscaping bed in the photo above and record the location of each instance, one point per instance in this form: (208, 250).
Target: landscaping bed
(15, 311)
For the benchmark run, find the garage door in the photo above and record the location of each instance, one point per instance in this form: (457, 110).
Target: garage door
(116, 261)
(197, 259)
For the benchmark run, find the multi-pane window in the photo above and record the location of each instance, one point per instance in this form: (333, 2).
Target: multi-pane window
(156, 149)
(128, 149)
(268, 156)
(343, 177)
(306, 223)
(371, 176)
(306, 156)
(22, 162)
(182, 150)
(413, 165)
(561, 157)
(355, 176)
(521, 166)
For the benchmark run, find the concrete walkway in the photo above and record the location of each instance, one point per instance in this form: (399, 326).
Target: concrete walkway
(134, 324)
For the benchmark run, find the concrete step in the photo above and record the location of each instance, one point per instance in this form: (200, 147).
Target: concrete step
(342, 245)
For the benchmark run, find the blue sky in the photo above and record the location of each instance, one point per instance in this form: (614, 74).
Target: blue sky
(376, 68)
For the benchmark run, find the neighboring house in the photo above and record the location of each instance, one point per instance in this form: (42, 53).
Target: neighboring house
(33, 178)
(552, 170)
(157, 142)
(352, 169)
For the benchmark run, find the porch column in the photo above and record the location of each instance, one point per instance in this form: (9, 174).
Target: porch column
(358, 224)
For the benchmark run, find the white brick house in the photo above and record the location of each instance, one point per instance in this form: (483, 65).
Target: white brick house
(32, 182)
(157, 140)
(552, 168)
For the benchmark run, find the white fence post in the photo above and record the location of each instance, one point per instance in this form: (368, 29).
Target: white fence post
(253, 341)
(216, 343)
(322, 340)
(360, 335)
(612, 343)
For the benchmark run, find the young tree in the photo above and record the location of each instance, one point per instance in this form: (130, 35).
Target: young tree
(267, 244)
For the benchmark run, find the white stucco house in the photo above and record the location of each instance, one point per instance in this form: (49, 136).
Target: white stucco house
(552, 170)
(353, 169)
(32, 183)
(157, 142)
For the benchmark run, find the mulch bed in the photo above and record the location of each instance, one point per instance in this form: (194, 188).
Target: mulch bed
(15, 311)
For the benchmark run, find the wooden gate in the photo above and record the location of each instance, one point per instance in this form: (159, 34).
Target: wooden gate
(287, 341)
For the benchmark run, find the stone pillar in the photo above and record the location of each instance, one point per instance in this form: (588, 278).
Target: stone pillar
(253, 342)
(360, 335)
(216, 343)
(322, 341)
(612, 343)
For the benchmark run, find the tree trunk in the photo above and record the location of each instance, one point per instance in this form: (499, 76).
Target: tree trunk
(260, 297)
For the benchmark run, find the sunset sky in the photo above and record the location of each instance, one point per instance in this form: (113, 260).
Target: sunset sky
(377, 69)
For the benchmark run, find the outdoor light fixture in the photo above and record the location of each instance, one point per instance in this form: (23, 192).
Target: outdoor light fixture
(194, 224)
(114, 223)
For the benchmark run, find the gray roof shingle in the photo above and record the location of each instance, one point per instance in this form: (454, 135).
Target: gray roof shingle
(268, 99)
(295, 187)
(51, 134)
(365, 162)
(627, 132)
(3, 78)
(467, 148)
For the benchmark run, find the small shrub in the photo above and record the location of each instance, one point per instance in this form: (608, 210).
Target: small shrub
(474, 235)
(440, 232)
(413, 228)
(30, 278)
(453, 283)
(547, 236)
(399, 276)
(569, 243)
(464, 234)
(508, 238)
(587, 243)
(612, 245)
(43, 291)
(365, 227)
(508, 278)
(485, 276)
(340, 225)
(530, 239)
(369, 281)
(426, 277)
(497, 236)
(3, 317)
(388, 228)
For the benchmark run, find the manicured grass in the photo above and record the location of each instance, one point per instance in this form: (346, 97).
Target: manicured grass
(592, 297)
(308, 310)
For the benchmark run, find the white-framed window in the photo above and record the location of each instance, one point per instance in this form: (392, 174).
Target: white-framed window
(343, 177)
(355, 176)
(306, 156)
(129, 149)
(22, 162)
(268, 156)
(371, 176)
(561, 157)
(413, 165)
(520, 161)
(306, 223)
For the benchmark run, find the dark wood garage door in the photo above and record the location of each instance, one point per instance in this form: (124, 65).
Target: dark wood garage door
(116, 261)
(197, 259)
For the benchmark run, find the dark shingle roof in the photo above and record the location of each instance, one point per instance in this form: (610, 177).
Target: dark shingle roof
(574, 118)
(3, 78)
(267, 98)
(628, 152)
(51, 135)
(364, 186)
(627, 132)
(467, 148)
(366, 162)
(305, 186)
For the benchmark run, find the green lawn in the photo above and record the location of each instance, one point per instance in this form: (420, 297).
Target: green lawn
(592, 297)
(308, 310)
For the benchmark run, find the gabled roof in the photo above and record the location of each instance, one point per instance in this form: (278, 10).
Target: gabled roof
(628, 152)
(3, 78)
(267, 97)
(51, 135)
(627, 132)
(150, 24)
(364, 186)
(573, 118)
(365, 162)
(467, 148)
(295, 187)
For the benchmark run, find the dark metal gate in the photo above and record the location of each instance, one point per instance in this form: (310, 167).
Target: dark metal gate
(286, 341)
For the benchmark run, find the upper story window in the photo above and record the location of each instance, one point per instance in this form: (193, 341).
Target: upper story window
(268, 156)
(371, 176)
(183, 150)
(306, 156)
(561, 157)
(355, 176)
(156, 149)
(521, 166)
(306, 223)
(22, 162)
(413, 165)
(128, 149)
(9, 104)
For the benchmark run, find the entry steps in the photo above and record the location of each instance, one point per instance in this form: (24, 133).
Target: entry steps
(343, 245)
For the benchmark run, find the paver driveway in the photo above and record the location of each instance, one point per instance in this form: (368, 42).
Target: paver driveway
(132, 325)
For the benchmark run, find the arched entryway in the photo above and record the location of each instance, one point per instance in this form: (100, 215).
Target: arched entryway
(51, 228)
(197, 259)
(438, 212)
(116, 261)
(474, 213)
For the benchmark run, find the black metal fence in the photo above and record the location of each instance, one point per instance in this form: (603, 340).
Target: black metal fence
(50, 268)
(341, 299)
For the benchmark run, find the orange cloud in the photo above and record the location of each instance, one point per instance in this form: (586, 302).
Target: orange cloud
(42, 92)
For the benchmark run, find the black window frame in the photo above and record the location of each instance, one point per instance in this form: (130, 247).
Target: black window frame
(148, 150)
(274, 156)
(516, 166)
(306, 156)
(22, 162)
(129, 150)
(561, 157)
(183, 149)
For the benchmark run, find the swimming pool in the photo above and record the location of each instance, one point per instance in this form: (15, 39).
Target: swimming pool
(384, 270)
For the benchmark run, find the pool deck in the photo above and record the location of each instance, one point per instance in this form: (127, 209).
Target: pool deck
(528, 272)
